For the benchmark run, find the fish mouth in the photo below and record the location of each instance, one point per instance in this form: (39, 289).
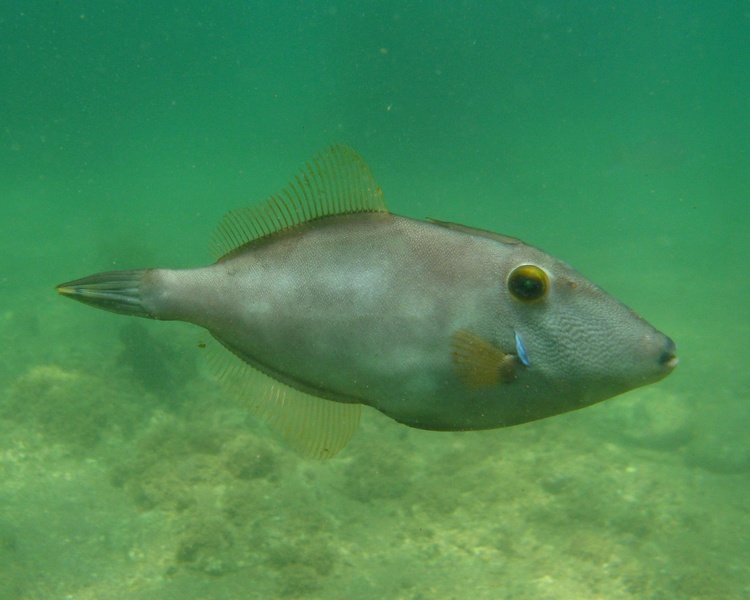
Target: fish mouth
(668, 358)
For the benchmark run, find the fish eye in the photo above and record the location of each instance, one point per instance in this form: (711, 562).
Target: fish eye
(528, 283)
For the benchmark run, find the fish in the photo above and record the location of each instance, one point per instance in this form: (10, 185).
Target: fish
(321, 301)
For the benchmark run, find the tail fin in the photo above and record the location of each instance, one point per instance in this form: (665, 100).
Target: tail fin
(115, 291)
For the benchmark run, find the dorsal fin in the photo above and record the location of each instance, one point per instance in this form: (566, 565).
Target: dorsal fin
(336, 182)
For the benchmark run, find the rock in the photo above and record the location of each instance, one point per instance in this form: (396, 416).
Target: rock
(720, 453)
(651, 418)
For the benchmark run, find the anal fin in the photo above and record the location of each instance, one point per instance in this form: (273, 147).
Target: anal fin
(315, 427)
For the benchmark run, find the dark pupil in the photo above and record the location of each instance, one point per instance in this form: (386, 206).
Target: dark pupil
(527, 288)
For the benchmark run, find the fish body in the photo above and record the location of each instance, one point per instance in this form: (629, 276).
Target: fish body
(339, 303)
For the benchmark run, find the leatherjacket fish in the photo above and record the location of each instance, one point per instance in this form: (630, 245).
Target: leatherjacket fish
(321, 301)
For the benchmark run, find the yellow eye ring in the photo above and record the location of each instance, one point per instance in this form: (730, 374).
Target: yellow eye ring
(528, 283)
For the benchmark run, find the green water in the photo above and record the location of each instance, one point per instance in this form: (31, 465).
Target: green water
(615, 135)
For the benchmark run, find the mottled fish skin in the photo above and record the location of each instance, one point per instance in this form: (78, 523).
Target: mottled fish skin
(417, 319)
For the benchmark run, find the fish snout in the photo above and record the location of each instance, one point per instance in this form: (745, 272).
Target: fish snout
(656, 359)
(668, 358)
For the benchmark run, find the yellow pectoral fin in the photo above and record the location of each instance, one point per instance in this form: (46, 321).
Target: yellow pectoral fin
(478, 363)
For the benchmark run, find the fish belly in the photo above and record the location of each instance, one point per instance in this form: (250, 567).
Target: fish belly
(357, 308)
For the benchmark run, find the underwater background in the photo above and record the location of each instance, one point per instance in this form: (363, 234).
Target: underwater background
(615, 135)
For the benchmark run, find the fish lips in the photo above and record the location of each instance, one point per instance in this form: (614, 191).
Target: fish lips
(668, 358)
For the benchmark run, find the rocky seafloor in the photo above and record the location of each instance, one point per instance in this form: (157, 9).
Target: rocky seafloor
(126, 473)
